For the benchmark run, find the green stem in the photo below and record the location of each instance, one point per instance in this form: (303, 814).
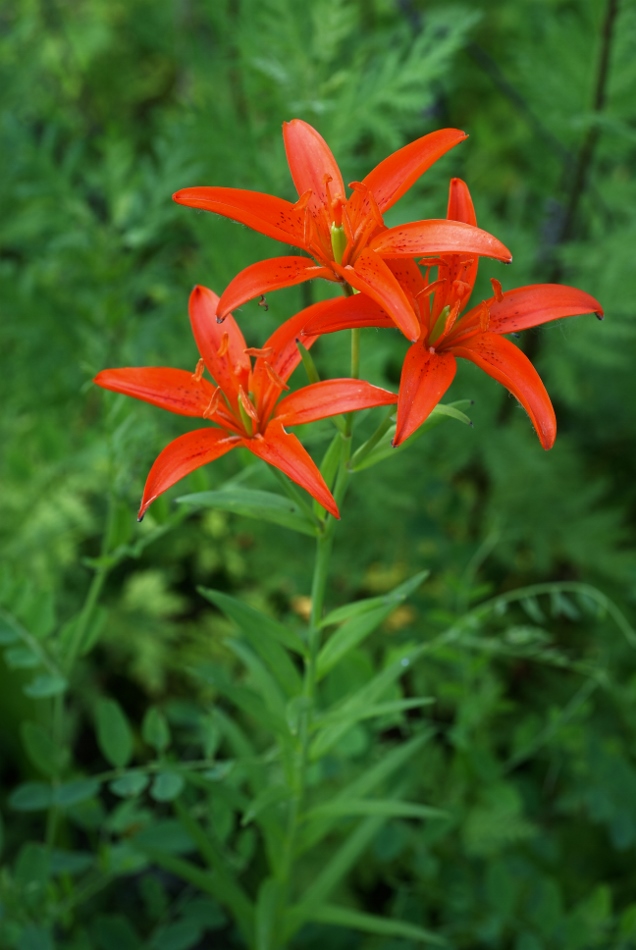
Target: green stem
(324, 546)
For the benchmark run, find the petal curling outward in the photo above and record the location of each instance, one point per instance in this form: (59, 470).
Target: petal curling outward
(269, 215)
(310, 162)
(394, 176)
(176, 390)
(425, 378)
(264, 276)
(372, 276)
(330, 398)
(182, 456)
(538, 303)
(222, 346)
(285, 452)
(438, 236)
(505, 362)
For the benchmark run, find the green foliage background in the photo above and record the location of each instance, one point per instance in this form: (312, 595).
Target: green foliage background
(106, 109)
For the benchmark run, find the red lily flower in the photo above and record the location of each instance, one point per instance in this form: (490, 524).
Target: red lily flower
(243, 407)
(346, 237)
(429, 366)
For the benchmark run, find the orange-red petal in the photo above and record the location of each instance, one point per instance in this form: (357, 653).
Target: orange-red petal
(176, 390)
(425, 378)
(285, 452)
(438, 236)
(343, 313)
(310, 162)
(222, 346)
(538, 303)
(330, 398)
(264, 276)
(182, 456)
(372, 276)
(269, 215)
(394, 176)
(505, 362)
(460, 204)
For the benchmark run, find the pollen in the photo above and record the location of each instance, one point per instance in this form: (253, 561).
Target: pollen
(496, 286)
(198, 373)
(484, 316)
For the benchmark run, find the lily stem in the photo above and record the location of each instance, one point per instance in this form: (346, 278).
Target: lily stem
(324, 546)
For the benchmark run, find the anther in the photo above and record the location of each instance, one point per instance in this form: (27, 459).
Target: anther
(212, 405)
(224, 345)
(484, 316)
(263, 303)
(496, 286)
(259, 351)
(198, 373)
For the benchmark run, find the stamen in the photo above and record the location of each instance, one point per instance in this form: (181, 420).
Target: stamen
(263, 303)
(461, 288)
(259, 351)
(484, 316)
(431, 288)
(450, 319)
(247, 404)
(198, 373)
(275, 378)
(212, 405)
(224, 345)
(496, 286)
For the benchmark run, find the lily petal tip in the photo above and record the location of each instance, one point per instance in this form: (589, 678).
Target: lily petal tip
(599, 314)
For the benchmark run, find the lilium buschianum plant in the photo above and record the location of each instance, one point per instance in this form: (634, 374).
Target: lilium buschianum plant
(346, 237)
(243, 408)
(430, 364)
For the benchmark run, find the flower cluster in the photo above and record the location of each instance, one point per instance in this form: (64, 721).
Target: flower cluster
(417, 277)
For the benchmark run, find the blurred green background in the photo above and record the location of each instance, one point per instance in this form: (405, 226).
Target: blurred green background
(106, 108)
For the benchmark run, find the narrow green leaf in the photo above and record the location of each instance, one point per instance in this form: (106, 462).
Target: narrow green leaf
(308, 362)
(285, 680)
(363, 623)
(243, 698)
(273, 795)
(369, 923)
(155, 730)
(260, 678)
(167, 786)
(392, 598)
(391, 708)
(215, 884)
(41, 749)
(329, 468)
(269, 897)
(113, 733)
(363, 699)
(345, 857)
(387, 807)
(252, 503)
(385, 449)
(1, 833)
(45, 686)
(257, 623)
(362, 786)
